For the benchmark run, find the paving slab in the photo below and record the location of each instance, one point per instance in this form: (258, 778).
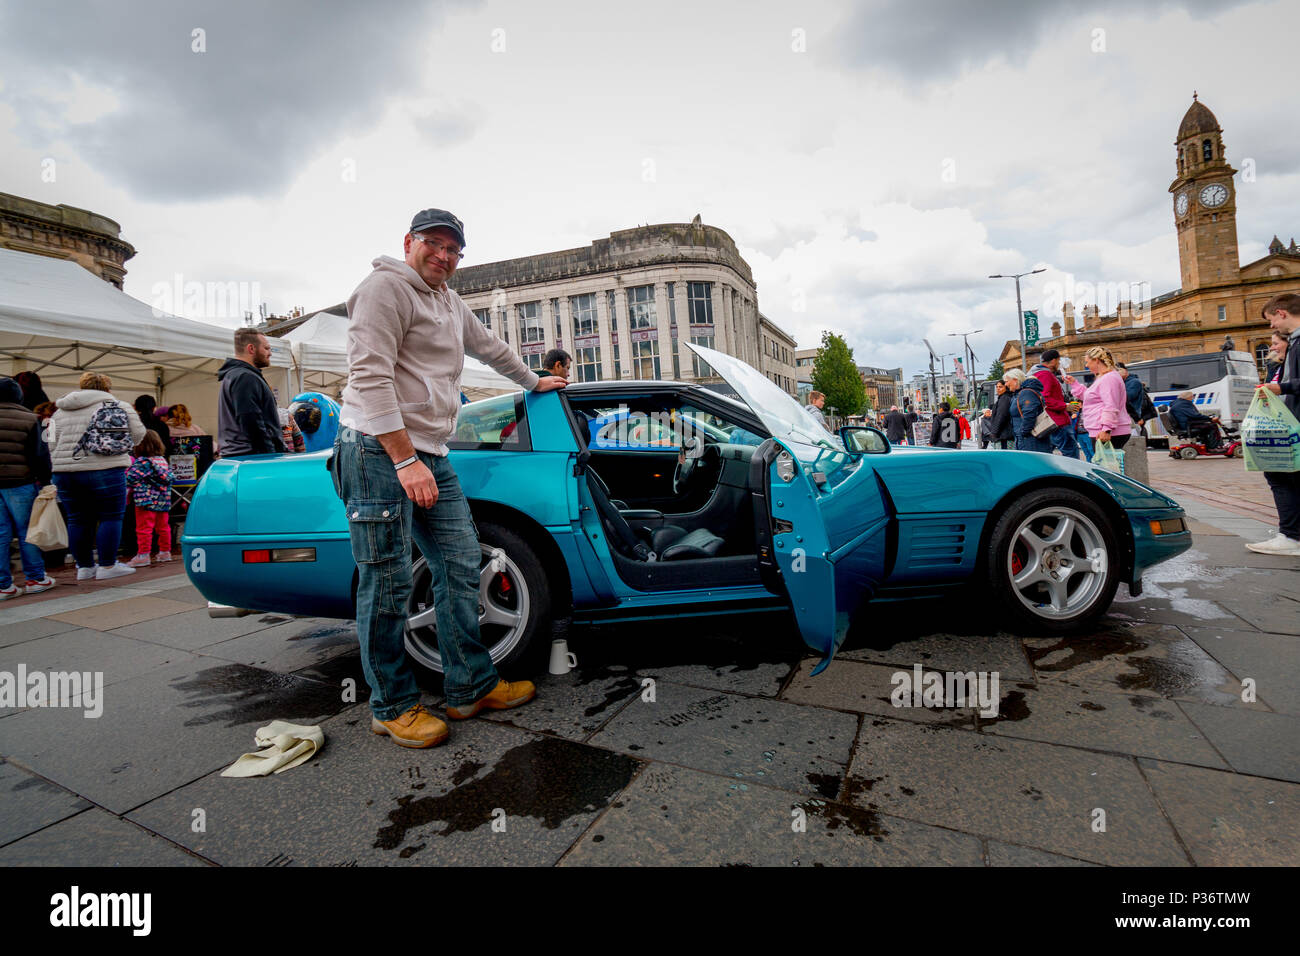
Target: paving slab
(105, 617)
(364, 801)
(679, 817)
(1229, 819)
(28, 803)
(16, 632)
(194, 629)
(1272, 661)
(998, 652)
(868, 689)
(751, 654)
(751, 739)
(288, 647)
(82, 650)
(1255, 743)
(162, 729)
(1113, 722)
(571, 705)
(1275, 612)
(98, 839)
(1157, 660)
(1007, 854)
(184, 592)
(1025, 792)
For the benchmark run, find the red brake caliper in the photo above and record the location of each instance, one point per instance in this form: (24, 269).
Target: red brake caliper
(1016, 564)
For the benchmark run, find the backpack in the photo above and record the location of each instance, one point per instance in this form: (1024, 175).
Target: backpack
(109, 433)
(1148, 409)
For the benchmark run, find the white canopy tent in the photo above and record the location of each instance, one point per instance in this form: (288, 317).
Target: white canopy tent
(320, 344)
(58, 320)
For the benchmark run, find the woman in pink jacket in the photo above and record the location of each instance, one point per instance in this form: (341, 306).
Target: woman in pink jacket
(1105, 410)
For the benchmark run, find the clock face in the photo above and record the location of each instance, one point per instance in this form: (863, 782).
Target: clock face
(1180, 206)
(1215, 194)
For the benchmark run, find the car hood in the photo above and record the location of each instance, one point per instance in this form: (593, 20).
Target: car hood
(783, 417)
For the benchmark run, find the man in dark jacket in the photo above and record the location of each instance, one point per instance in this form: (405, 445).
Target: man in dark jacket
(24, 468)
(945, 432)
(895, 426)
(248, 421)
(1004, 435)
(1202, 428)
(1283, 315)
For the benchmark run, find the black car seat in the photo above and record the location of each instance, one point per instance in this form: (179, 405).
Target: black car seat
(668, 543)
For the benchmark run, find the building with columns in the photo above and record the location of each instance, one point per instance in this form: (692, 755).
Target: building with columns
(64, 232)
(1218, 298)
(624, 306)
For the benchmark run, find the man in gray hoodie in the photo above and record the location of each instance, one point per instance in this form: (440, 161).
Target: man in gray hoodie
(408, 333)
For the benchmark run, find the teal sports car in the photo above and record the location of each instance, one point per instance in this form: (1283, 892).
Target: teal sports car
(697, 503)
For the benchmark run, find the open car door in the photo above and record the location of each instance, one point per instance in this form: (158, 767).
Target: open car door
(830, 516)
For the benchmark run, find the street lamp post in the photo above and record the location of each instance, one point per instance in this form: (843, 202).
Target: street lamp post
(1020, 315)
(970, 358)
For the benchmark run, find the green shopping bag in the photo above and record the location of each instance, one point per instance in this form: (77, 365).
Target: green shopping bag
(1109, 457)
(1270, 434)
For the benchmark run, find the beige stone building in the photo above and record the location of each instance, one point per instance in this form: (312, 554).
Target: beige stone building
(624, 306)
(1218, 298)
(65, 232)
(779, 348)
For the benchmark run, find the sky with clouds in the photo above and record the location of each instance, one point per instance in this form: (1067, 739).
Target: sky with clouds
(874, 161)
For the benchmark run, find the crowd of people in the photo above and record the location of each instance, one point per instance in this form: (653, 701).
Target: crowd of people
(103, 455)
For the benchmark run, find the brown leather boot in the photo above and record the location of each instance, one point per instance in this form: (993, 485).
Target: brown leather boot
(503, 697)
(415, 727)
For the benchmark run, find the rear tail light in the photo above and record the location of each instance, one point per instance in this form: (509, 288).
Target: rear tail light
(279, 555)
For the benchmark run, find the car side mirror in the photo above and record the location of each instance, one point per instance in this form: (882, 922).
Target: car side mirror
(865, 440)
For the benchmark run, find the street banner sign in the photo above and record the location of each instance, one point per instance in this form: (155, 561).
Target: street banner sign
(1031, 328)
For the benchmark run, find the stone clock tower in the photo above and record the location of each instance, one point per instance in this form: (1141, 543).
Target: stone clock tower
(1205, 203)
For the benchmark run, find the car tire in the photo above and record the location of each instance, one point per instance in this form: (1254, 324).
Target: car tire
(514, 602)
(1075, 569)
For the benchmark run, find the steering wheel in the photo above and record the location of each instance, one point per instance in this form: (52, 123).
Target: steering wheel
(694, 451)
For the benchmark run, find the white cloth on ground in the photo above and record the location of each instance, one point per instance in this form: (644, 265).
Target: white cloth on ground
(287, 745)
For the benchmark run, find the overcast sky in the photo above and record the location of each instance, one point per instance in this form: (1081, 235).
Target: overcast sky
(874, 162)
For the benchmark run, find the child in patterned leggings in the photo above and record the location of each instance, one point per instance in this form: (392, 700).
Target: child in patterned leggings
(149, 480)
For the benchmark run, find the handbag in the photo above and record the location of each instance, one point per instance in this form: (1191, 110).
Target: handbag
(46, 529)
(1043, 424)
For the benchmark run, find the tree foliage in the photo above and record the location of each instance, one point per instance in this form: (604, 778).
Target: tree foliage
(835, 375)
(995, 371)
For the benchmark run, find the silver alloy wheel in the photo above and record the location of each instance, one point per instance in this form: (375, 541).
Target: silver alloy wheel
(1057, 562)
(503, 607)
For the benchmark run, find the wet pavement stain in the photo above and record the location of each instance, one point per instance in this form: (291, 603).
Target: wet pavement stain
(827, 784)
(1147, 704)
(1181, 669)
(337, 634)
(465, 771)
(237, 694)
(1011, 708)
(750, 642)
(624, 688)
(37, 783)
(863, 823)
(549, 780)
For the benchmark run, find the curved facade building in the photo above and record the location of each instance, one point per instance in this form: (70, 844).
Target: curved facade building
(624, 306)
(65, 232)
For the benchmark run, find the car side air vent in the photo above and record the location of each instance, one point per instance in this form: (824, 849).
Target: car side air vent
(938, 544)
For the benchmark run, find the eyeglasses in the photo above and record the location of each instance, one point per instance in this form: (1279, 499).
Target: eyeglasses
(440, 249)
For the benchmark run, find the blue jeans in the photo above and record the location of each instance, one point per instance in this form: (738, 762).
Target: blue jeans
(1063, 439)
(1085, 442)
(15, 514)
(382, 521)
(90, 498)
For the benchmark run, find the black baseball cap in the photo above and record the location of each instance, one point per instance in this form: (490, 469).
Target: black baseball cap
(432, 218)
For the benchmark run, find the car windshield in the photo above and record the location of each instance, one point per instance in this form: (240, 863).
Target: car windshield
(784, 417)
